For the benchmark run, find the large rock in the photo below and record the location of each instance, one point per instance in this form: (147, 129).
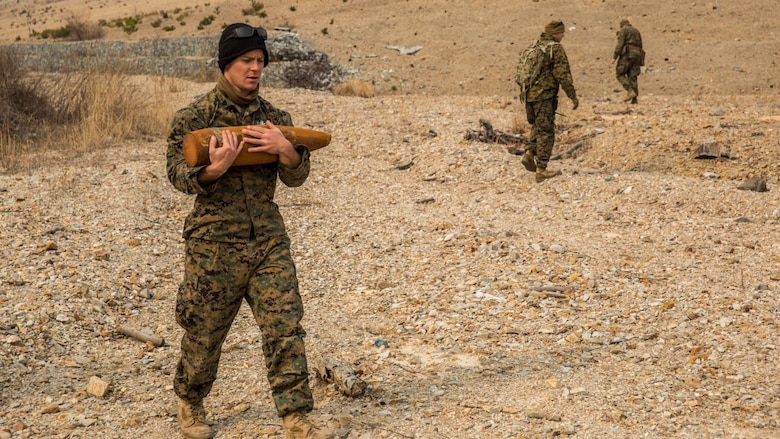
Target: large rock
(294, 63)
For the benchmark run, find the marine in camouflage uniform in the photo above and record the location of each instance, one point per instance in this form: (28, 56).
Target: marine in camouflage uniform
(630, 58)
(237, 247)
(542, 102)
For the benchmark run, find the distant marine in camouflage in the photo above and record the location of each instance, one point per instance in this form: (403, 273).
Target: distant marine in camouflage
(542, 102)
(630, 57)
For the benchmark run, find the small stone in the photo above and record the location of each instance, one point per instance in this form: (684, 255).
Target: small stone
(578, 390)
(13, 340)
(49, 409)
(544, 415)
(97, 387)
(755, 184)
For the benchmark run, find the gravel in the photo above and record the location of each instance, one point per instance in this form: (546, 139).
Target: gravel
(635, 296)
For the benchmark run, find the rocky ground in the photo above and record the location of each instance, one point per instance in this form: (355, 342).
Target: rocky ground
(635, 296)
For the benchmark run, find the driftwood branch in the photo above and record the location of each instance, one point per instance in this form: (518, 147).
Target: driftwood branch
(141, 335)
(551, 291)
(568, 151)
(614, 113)
(490, 135)
(578, 144)
(554, 288)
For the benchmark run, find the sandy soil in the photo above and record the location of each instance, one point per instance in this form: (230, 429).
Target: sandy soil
(635, 296)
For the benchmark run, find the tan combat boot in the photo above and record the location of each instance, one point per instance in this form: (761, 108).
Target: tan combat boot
(192, 420)
(630, 96)
(298, 426)
(544, 174)
(528, 161)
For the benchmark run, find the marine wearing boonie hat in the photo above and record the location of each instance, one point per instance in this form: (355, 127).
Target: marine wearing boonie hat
(233, 43)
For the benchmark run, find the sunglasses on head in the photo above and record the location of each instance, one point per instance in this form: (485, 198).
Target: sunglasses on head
(246, 32)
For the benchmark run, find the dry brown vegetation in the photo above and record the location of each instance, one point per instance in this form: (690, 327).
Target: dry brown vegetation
(89, 111)
(355, 87)
(78, 30)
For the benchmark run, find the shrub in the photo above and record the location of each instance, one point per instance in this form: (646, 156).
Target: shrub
(21, 103)
(80, 31)
(60, 33)
(128, 24)
(205, 22)
(89, 110)
(519, 124)
(355, 87)
(255, 9)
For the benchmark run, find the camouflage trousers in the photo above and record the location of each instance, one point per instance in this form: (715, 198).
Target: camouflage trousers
(541, 116)
(627, 72)
(218, 277)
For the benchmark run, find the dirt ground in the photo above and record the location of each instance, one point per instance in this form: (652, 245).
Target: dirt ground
(635, 296)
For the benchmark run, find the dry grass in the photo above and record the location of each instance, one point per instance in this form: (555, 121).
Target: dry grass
(355, 87)
(519, 123)
(82, 31)
(88, 111)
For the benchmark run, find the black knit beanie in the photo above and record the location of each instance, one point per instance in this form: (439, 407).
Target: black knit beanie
(231, 46)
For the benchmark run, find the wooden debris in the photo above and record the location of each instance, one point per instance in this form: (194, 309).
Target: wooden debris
(575, 146)
(551, 294)
(568, 151)
(490, 135)
(552, 291)
(343, 377)
(141, 335)
(543, 415)
(553, 288)
(614, 113)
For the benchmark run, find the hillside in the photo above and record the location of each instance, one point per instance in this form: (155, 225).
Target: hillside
(699, 48)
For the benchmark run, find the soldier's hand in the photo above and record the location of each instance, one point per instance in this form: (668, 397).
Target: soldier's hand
(575, 103)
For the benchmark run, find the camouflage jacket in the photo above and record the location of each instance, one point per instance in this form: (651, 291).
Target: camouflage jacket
(240, 204)
(629, 42)
(557, 75)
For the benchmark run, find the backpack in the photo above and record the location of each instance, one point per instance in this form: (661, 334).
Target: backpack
(534, 60)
